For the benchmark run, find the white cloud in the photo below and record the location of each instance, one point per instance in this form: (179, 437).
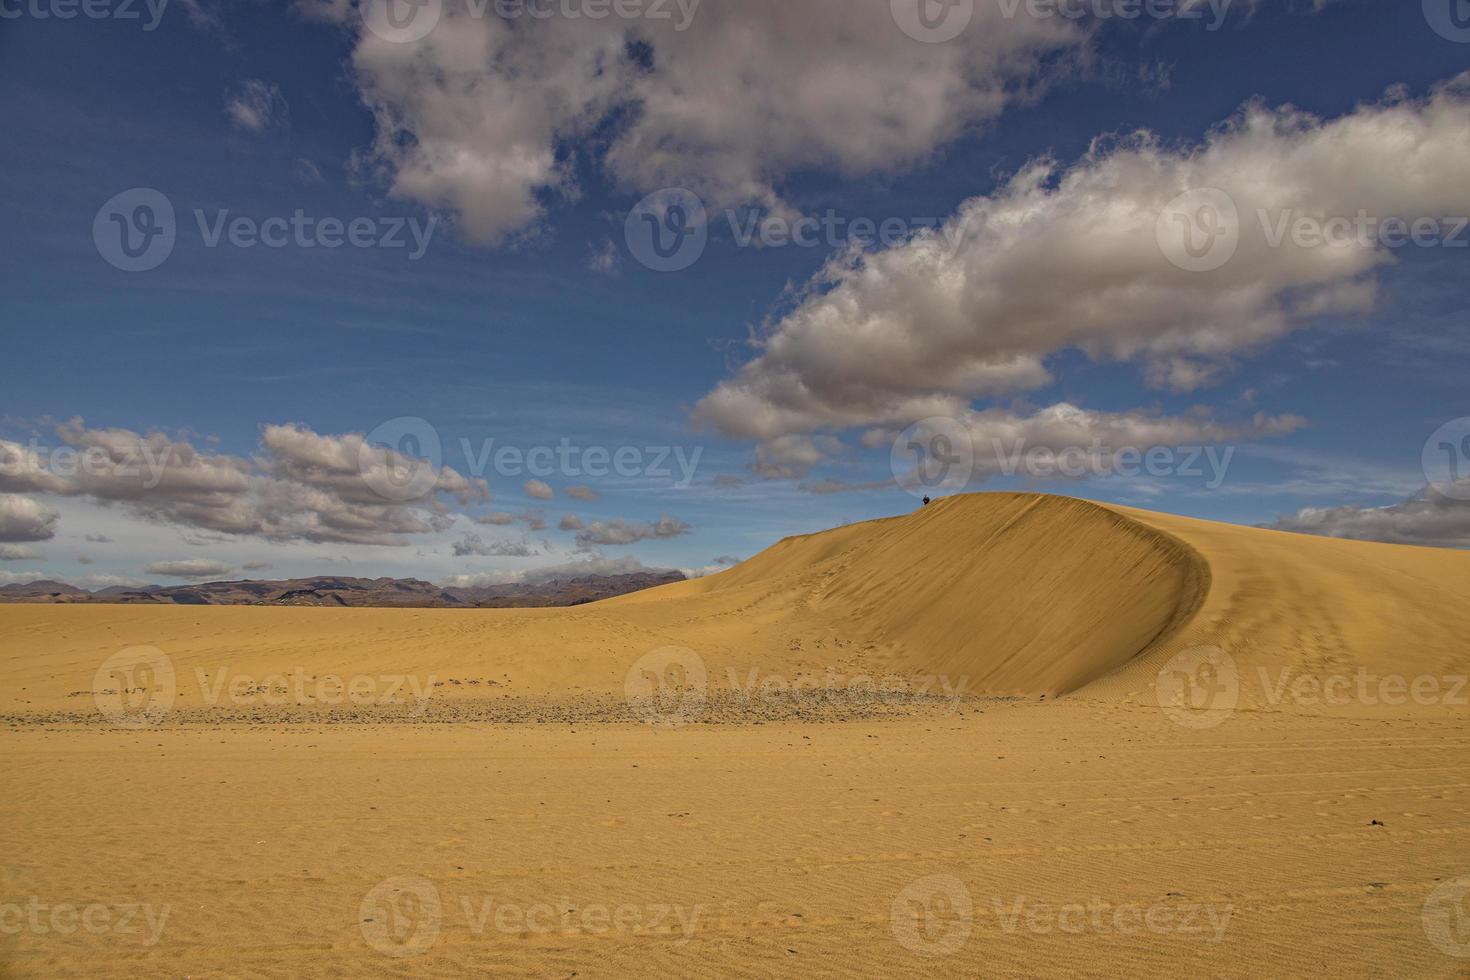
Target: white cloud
(25, 519)
(538, 490)
(256, 106)
(307, 172)
(589, 567)
(301, 487)
(618, 531)
(473, 544)
(471, 118)
(1430, 519)
(583, 493)
(17, 552)
(107, 581)
(604, 258)
(1070, 259)
(192, 569)
(792, 456)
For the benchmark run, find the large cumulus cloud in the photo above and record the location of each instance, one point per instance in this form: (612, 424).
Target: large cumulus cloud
(1070, 258)
(300, 486)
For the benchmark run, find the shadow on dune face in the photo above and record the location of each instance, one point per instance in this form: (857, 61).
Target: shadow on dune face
(975, 595)
(1027, 594)
(1019, 593)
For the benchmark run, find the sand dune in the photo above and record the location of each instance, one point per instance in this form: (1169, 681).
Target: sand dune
(1016, 594)
(1111, 832)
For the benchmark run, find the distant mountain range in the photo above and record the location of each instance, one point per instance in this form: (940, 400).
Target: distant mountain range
(346, 591)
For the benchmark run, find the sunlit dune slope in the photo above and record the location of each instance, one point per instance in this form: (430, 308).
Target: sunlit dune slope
(1020, 593)
(1286, 605)
(1017, 593)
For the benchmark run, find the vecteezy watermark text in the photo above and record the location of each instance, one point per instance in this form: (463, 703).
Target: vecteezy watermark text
(136, 230)
(937, 21)
(841, 689)
(1100, 917)
(1202, 686)
(403, 915)
(1014, 457)
(941, 453)
(1362, 230)
(669, 230)
(934, 917)
(296, 687)
(140, 686)
(407, 21)
(142, 465)
(671, 686)
(149, 12)
(569, 459)
(1202, 229)
(142, 920)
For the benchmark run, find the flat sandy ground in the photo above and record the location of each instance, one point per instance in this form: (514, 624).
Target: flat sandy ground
(1258, 766)
(1020, 840)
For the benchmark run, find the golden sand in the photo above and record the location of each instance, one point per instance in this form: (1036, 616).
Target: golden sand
(1005, 735)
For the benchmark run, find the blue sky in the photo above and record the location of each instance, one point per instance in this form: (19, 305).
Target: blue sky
(528, 320)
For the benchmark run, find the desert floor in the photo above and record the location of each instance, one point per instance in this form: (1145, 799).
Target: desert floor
(1258, 765)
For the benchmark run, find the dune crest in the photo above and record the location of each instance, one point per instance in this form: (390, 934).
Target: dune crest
(1020, 593)
(996, 593)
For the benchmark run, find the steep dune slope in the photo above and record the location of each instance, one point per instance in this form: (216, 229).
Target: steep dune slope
(1003, 593)
(1019, 593)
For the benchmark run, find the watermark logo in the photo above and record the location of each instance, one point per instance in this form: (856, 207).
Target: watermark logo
(1446, 917)
(932, 21)
(760, 228)
(932, 454)
(127, 919)
(842, 689)
(90, 9)
(668, 230)
(594, 10)
(406, 21)
(1126, 10)
(1199, 688)
(401, 916)
(401, 21)
(1199, 230)
(1362, 230)
(667, 686)
(487, 913)
(934, 916)
(143, 465)
(1364, 687)
(1450, 19)
(135, 230)
(296, 688)
(401, 459)
(135, 687)
(1098, 460)
(568, 459)
(1101, 917)
(1446, 459)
